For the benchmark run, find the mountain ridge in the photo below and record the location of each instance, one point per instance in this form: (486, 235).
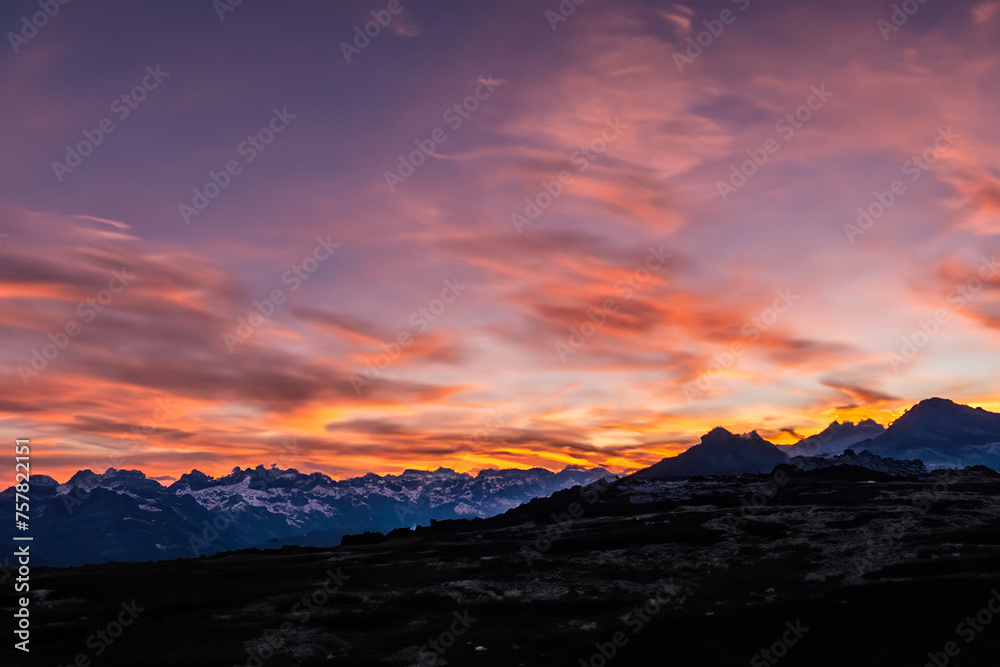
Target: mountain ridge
(941, 433)
(124, 515)
(719, 453)
(935, 432)
(835, 438)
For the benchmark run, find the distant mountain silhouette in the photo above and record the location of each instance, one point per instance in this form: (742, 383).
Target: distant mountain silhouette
(936, 431)
(720, 453)
(941, 433)
(123, 515)
(835, 438)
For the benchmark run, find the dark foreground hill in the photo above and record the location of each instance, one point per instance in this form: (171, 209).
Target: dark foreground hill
(719, 453)
(819, 568)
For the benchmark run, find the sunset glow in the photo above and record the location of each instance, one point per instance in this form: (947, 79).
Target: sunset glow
(611, 251)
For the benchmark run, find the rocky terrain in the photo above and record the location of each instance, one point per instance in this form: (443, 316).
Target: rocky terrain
(828, 567)
(731, 553)
(864, 460)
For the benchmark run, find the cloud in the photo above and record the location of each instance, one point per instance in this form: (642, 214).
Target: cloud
(616, 399)
(679, 16)
(861, 395)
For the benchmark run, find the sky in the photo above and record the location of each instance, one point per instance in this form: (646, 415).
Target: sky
(491, 234)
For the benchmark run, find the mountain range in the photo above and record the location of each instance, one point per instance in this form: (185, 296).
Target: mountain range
(935, 433)
(835, 438)
(123, 515)
(941, 433)
(706, 570)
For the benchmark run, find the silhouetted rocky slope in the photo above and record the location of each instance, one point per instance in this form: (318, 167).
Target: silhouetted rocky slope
(720, 453)
(863, 460)
(868, 573)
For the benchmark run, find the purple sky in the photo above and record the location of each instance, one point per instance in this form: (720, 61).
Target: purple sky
(665, 283)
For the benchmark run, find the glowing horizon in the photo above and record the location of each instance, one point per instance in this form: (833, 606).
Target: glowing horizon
(490, 238)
